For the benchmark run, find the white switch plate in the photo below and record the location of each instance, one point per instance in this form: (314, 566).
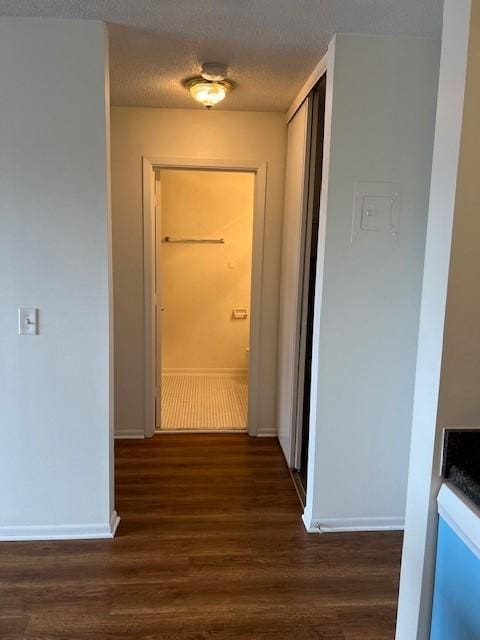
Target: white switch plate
(28, 321)
(376, 209)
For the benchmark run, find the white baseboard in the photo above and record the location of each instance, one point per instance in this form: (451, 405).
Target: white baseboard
(333, 525)
(204, 372)
(61, 532)
(129, 434)
(114, 522)
(267, 433)
(137, 434)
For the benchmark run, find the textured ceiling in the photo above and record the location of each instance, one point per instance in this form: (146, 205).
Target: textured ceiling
(270, 46)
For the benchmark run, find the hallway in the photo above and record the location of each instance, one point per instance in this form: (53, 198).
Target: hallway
(210, 546)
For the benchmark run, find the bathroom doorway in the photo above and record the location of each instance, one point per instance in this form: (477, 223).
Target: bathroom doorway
(204, 261)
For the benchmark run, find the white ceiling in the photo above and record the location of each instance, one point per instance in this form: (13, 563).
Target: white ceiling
(270, 46)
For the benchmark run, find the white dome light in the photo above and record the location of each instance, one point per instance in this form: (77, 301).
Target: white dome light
(208, 93)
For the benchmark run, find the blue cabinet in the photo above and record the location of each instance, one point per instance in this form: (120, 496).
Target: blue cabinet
(456, 603)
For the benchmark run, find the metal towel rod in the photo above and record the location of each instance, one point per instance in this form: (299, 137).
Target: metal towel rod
(194, 240)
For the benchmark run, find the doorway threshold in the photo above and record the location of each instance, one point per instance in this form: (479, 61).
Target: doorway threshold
(176, 432)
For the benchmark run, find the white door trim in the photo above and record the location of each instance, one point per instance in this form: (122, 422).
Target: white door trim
(260, 171)
(149, 288)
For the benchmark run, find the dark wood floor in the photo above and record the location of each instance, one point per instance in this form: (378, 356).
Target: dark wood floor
(210, 547)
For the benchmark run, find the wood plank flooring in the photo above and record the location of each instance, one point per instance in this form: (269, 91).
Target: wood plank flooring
(210, 547)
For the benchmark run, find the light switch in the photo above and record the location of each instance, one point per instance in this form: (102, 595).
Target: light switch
(28, 321)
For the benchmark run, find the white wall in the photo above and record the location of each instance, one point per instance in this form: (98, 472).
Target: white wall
(448, 364)
(55, 418)
(183, 133)
(381, 94)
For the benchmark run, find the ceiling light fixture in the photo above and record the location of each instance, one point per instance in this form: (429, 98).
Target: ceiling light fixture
(211, 87)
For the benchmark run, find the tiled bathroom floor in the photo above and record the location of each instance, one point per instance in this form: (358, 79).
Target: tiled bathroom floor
(204, 402)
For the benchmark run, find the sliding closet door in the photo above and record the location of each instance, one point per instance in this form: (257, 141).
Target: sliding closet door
(309, 270)
(291, 278)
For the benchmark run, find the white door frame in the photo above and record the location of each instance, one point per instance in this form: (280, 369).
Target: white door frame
(150, 296)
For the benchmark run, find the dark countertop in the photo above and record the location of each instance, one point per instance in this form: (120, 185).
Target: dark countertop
(461, 461)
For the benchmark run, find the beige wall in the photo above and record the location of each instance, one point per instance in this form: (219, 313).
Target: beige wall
(200, 284)
(459, 399)
(448, 361)
(173, 133)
